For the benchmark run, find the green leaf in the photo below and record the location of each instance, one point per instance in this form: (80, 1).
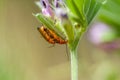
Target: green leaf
(90, 11)
(70, 35)
(49, 23)
(45, 21)
(74, 10)
(94, 12)
(75, 19)
(86, 6)
(80, 5)
(69, 30)
(84, 10)
(110, 14)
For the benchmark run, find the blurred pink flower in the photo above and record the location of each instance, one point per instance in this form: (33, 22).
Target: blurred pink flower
(103, 36)
(110, 46)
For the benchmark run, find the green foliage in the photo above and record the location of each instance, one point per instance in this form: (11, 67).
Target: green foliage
(49, 23)
(74, 10)
(69, 31)
(80, 13)
(4, 71)
(83, 11)
(92, 10)
(110, 14)
(112, 76)
(46, 21)
(77, 17)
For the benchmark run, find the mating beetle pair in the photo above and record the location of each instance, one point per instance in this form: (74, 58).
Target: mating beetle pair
(51, 36)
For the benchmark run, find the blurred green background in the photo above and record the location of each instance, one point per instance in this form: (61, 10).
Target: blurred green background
(25, 55)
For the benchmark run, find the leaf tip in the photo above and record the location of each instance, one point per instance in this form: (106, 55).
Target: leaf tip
(104, 2)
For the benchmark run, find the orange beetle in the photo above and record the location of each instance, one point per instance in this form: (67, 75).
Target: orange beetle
(51, 36)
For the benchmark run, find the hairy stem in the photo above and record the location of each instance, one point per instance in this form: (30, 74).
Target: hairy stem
(74, 56)
(74, 65)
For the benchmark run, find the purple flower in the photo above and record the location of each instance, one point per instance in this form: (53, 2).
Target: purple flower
(58, 9)
(46, 9)
(104, 37)
(98, 31)
(110, 46)
(58, 3)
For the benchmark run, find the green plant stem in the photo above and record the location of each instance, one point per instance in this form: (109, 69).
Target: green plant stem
(74, 65)
(74, 56)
